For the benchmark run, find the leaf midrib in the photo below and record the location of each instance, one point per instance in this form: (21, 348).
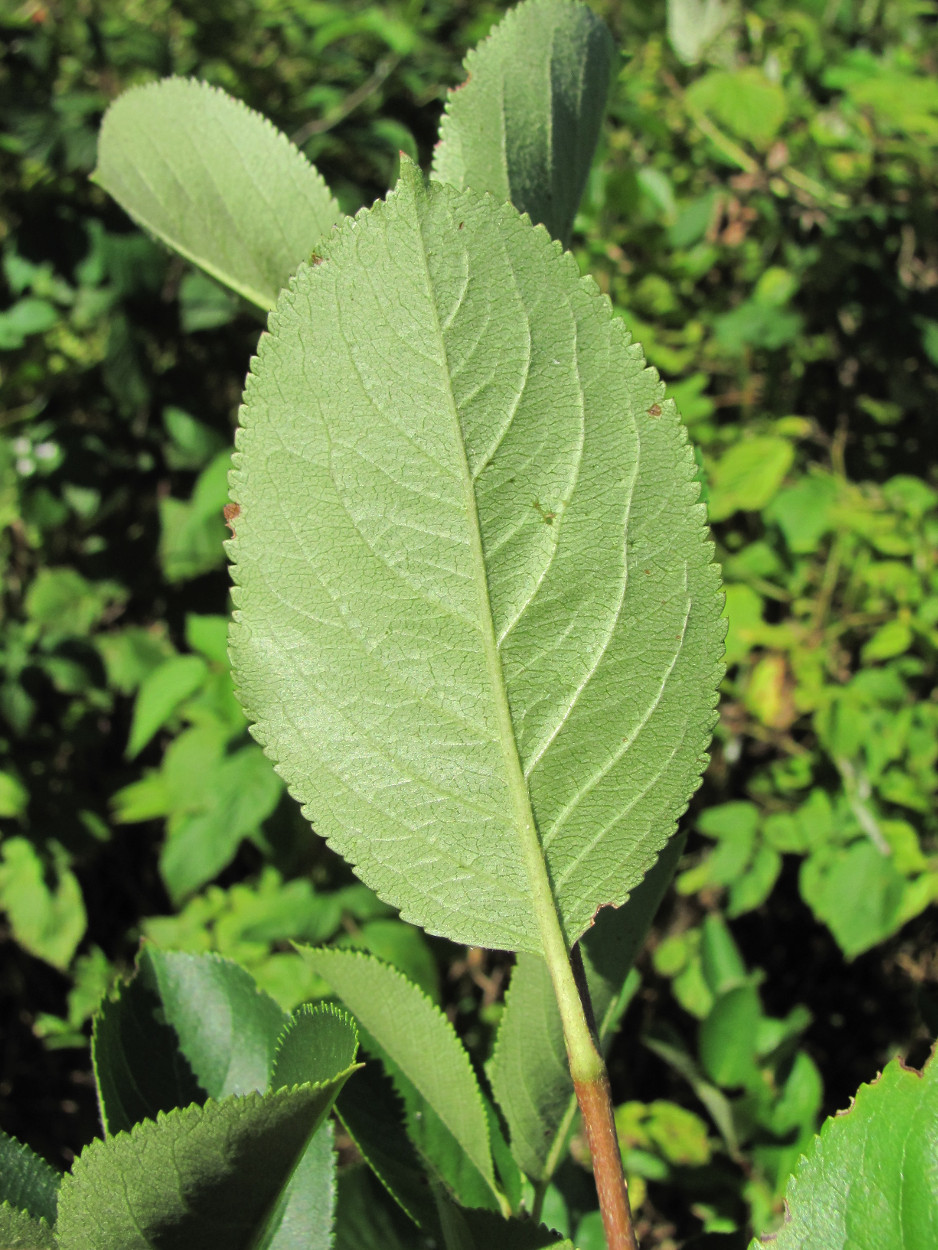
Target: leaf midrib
(544, 904)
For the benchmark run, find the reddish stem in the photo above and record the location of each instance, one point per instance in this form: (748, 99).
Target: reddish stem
(595, 1101)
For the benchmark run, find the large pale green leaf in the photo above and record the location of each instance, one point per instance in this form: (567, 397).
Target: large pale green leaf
(477, 625)
(200, 1176)
(27, 1181)
(417, 1038)
(529, 1071)
(870, 1181)
(216, 181)
(525, 123)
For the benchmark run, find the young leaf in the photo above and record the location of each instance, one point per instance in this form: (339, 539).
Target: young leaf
(525, 123)
(372, 1115)
(19, 1231)
(305, 1218)
(186, 1027)
(216, 182)
(317, 1042)
(870, 1177)
(207, 1175)
(529, 1071)
(227, 1027)
(417, 1038)
(483, 1230)
(477, 622)
(27, 1181)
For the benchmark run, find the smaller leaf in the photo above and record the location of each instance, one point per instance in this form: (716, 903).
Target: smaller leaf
(161, 693)
(227, 1027)
(748, 475)
(27, 1181)
(869, 879)
(317, 1043)
(418, 1039)
(47, 915)
(872, 1168)
(19, 1231)
(525, 123)
(216, 182)
(196, 1177)
(743, 101)
(727, 1042)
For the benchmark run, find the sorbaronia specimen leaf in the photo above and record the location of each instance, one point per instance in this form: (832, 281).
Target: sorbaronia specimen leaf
(525, 123)
(478, 625)
(215, 181)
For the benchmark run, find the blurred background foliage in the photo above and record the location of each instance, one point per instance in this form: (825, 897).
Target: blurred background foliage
(763, 215)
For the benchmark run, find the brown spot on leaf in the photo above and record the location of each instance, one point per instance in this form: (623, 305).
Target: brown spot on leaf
(232, 512)
(654, 410)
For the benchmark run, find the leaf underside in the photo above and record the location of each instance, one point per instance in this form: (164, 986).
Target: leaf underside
(216, 182)
(525, 123)
(477, 623)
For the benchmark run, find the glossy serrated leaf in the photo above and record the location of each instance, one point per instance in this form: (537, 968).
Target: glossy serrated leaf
(417, 1038)
(525, 123)
(216, 182)
(529, 1071)
(305, 1217)
(871, 1177)
(198, 1176)
(317, 1042)
(185, 1027)
(477, 622)
(138, 1067)
(19, 1231)
(27, 1181)
(226, 1025)
(484, 1230)
(372, 1114)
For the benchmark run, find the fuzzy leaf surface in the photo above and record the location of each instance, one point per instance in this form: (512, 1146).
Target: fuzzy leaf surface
(417, 1038)
(27, 1181)
(525, 123)
(477, 621)
(199, 1176)
(216, 182)
(870, 1181)
(529, 1070)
